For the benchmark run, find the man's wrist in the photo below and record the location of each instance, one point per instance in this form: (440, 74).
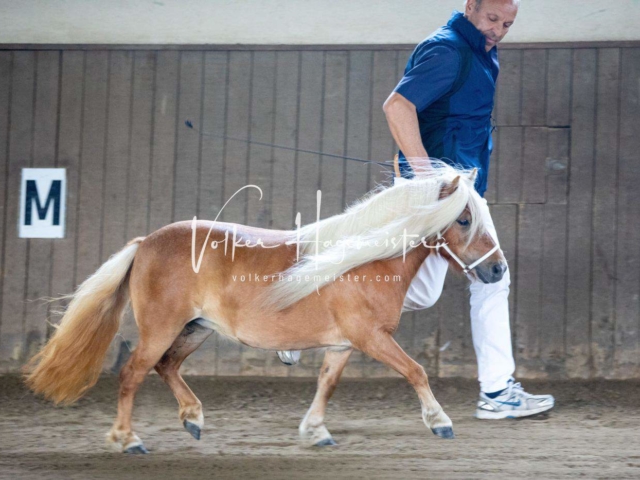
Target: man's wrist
(419, 164)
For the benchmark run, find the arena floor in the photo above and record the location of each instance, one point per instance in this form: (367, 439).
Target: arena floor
(251, 432)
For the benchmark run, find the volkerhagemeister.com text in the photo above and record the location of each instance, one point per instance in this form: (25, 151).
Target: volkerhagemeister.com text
(346, 277)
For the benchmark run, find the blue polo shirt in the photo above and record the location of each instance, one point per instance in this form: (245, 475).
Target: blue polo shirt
(454, 114)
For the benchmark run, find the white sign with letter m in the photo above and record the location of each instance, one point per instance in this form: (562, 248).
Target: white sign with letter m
(43, 194)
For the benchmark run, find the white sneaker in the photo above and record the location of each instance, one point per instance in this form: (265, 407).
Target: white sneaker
(513, 402)
(289, 357)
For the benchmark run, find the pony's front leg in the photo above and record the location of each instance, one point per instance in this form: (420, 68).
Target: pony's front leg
(382, 347)
(312, 429)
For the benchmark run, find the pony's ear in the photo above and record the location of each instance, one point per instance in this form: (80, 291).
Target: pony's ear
(473, 175)
(449, 189)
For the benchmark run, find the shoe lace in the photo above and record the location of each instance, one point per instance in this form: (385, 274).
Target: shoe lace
(516, 389)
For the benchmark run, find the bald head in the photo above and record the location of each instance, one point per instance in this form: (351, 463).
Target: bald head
(492, 17)
(479, 2)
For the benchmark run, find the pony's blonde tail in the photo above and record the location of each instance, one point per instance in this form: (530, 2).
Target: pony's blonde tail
(71, 361)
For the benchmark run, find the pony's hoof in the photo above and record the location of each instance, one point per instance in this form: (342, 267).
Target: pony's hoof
(137, 450)
(443, 432)
(192, 428)
(327, 442)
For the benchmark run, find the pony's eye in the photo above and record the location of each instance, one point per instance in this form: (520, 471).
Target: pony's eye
(464, 223)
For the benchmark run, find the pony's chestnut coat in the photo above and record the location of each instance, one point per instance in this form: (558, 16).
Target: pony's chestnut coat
(176, 308)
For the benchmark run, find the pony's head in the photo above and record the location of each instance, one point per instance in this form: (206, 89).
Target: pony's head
(467, 243)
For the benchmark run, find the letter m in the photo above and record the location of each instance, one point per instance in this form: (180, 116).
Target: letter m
(53, 197)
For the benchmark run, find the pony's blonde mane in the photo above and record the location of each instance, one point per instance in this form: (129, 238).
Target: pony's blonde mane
(363, 233)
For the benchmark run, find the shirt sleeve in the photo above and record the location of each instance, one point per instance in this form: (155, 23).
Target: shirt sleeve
(432, 75)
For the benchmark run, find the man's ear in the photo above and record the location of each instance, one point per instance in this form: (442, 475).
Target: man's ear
(470, 5)
(449, 189)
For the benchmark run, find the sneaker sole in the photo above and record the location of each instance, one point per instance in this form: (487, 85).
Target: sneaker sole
(486, 415)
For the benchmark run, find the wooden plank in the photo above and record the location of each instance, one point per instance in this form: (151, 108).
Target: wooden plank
(136, 168)
(12, 340)
(286, 121)
(558, 97)
(357, 129)
(528, 286)
(229, 355)
(358, 126)
(284, 161)
(309, 132)
(44, 155)
(164, 139)
(534, 72)
(508, 94)
(509, 189)
(204, 360)
(68, 157)
(237, 152)
(554, 277)
(627, 330)
(384, 80)
(214, 105)
(604, 213)
(117, 153)
(505, 219)
(254, 360)
(5, 102)
(491, 194)
(580, 208)
(534, 168)
(262, 130)
(332, 170)
(141, 137)
(419, 331)
(185, 200)
(90, 195)
(558, 165)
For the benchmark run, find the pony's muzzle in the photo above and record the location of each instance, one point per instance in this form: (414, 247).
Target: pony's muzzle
(491, 272)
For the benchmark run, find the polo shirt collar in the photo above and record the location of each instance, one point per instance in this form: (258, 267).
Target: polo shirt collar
(468, 31)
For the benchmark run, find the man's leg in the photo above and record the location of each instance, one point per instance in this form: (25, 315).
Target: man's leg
(500, 396)
(490, 326)
(426, 286)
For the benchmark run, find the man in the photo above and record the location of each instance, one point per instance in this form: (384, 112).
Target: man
(442, 108)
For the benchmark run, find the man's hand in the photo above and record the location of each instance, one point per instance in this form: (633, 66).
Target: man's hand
(403, 122)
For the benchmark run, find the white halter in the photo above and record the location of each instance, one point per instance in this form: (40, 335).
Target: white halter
(441, 243)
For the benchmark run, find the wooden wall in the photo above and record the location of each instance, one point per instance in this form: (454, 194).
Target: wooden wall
(563, 185)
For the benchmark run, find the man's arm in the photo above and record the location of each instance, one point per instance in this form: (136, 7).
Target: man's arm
(432, 74)
(402, 118)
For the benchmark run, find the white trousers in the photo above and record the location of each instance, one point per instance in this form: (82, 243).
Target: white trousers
(489, 313)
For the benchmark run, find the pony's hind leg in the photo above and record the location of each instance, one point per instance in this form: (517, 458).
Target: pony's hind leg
(312, 429)
(382, 347)
(191, 337)
(154, 342)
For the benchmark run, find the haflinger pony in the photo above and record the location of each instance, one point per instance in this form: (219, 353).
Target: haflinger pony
(322, 285)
